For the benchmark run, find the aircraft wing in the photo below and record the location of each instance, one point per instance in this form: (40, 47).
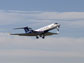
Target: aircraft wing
(34, 34)
(50, 33)
(25, 34)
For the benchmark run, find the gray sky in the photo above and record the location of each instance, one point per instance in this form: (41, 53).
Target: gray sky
(67, 47)
(43, 5)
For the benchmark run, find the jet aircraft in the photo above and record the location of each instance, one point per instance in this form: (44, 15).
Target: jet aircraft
(42, 32)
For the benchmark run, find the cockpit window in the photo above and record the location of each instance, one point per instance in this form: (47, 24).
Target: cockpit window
(56, 23)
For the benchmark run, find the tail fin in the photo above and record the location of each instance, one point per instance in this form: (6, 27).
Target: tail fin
(26, 29)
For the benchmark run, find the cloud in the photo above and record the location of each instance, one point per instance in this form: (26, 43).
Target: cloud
(61, 15)
(19, 17)
(40, 53)
(50, 47)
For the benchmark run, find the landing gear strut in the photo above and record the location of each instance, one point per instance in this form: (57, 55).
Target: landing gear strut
(43, 36)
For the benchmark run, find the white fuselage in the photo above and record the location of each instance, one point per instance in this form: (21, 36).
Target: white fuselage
(49, 27)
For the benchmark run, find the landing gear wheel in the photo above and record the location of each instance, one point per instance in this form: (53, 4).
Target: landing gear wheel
(43, 36)
(37, 37)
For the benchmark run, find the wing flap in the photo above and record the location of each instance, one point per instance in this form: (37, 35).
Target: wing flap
(50, 33)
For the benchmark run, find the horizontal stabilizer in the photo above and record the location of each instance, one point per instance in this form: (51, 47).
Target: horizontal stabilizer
(23, 28)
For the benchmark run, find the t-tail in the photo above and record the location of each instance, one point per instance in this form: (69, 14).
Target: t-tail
(26, 29)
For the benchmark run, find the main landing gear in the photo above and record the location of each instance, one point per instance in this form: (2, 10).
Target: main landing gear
(37, 37)
(43, 36)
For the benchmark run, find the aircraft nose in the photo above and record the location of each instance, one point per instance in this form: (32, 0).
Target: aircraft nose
(58, 25)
